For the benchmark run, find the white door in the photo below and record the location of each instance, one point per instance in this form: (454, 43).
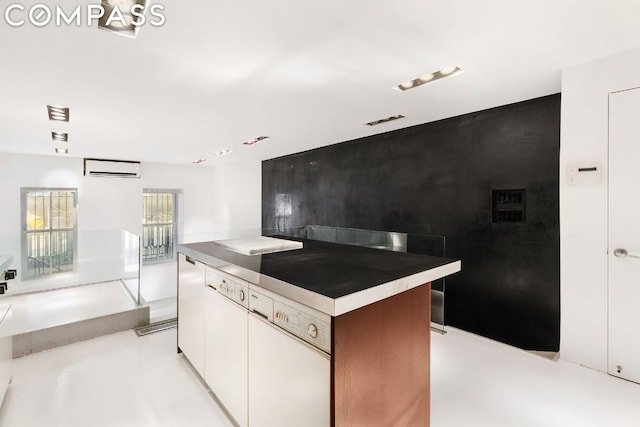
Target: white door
(289, 382)
(225, 363)
(624, 235)
(191, 311)
(6, 349)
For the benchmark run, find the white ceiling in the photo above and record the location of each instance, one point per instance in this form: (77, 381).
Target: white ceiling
(307, 74)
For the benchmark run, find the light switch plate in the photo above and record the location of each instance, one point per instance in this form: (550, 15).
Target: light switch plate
(584, 174)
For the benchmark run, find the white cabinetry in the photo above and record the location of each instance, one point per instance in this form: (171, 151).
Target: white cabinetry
(226, 353)
(191, 311)
(264, 376)
(6, 350)
(289, 381)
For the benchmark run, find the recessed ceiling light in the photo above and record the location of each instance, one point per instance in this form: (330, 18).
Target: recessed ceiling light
(62, 151)
(60, 136)
(255, 140)
(122, 20)
(449, 70)
(197, 162)
(388, 119)
(428, 78)
(60, 114)
(222, 153)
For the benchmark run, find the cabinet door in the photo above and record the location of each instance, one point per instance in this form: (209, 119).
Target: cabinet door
(191, 311)
(6, 350)
(289, 382)
(226, 353)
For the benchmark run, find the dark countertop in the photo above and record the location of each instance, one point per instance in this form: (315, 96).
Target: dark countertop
(331, 270)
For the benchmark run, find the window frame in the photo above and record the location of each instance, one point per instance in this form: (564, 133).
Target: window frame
(24, 232)
(174, 193)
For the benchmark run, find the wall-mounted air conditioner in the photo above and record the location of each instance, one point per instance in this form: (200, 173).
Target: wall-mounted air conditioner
(111, 168)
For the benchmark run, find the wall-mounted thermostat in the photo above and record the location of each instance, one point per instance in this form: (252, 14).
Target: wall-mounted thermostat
(584, 174)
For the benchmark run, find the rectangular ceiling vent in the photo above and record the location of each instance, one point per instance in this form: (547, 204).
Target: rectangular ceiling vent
(388, 119)
(111, 168)
(58, 114)
(59, 136)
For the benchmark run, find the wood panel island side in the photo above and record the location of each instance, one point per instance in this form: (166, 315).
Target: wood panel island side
(326, 335)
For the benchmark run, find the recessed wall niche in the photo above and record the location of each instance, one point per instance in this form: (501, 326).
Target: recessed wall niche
(509, 206)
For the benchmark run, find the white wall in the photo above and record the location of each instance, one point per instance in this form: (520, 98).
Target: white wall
(583, 209)
(115, 203)
(234, 209)
(240, 198)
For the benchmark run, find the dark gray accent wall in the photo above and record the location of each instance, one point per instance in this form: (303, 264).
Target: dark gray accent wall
(438, 178)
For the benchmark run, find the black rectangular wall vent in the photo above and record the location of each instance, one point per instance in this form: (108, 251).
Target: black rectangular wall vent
(508, 205)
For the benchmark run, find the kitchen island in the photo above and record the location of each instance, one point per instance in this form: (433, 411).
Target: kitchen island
(326, 335)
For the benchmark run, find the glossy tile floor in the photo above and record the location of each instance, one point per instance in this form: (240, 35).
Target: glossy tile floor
(121, 380)
(117, 380)
(478, 382)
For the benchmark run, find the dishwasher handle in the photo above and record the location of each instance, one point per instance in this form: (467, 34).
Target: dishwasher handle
(261, 304)
(254, 311)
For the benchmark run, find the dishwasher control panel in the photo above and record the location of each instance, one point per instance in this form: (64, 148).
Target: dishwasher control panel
(231, 287)
(303, 324)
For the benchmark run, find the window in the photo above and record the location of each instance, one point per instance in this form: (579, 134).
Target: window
(49, 231)
(159, 226)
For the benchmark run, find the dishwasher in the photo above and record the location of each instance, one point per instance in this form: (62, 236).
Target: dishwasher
(289, 363)
(225, 344)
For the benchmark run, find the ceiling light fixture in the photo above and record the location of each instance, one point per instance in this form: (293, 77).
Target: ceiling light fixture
(428, 78)
(197, 162)
(62, 151)
(449, 70)
(388, 119)
(59, 114)
(60, 136)
(119, 18)
(255, 140)
(222, 153)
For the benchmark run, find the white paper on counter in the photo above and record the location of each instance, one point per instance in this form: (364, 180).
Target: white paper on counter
(258, 245)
